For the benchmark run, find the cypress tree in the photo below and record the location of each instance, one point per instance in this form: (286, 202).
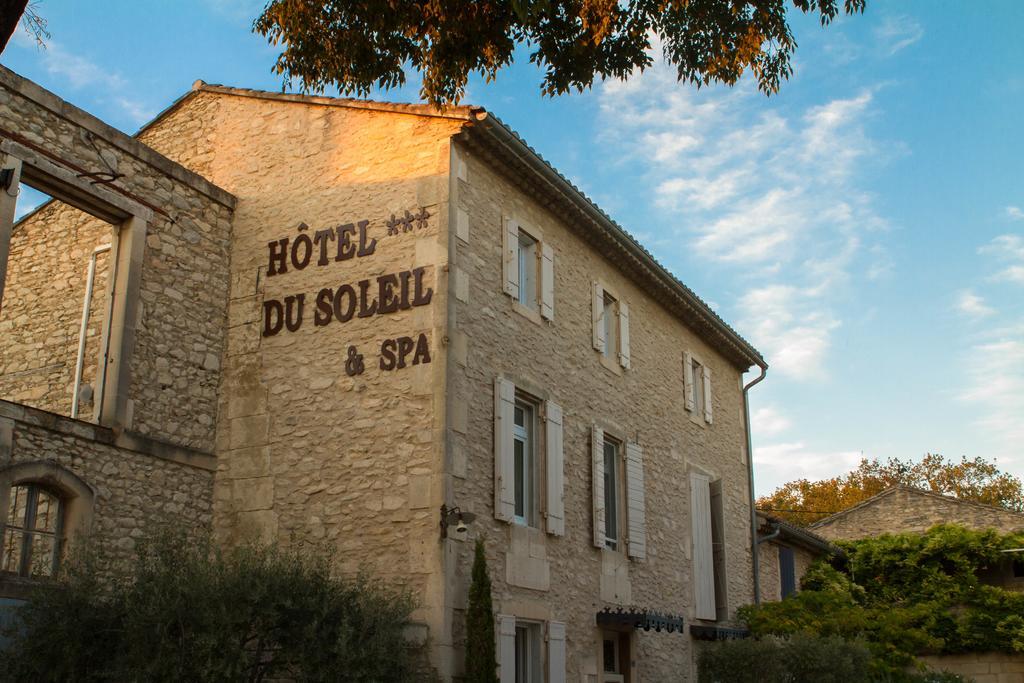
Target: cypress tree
(480, 656)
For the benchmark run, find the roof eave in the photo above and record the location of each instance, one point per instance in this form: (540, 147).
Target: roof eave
(742, 352)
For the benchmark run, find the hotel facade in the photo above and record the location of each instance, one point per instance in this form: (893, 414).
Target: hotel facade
(385, 329)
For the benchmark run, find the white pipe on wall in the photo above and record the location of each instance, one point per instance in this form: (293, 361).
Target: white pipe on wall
(90, 280)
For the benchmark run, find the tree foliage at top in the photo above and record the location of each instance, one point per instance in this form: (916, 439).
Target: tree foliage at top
(803, 501)
(356, 45)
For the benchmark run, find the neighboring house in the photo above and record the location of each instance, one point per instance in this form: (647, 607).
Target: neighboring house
(903, 509)
(387, 313)
(785, 553)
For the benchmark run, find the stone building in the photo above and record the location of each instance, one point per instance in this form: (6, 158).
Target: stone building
(786, 552)
(383, 328)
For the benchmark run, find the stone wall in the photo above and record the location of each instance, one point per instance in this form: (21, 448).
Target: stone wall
(307, 452)
(984, 667)
(903, 509)
(570, 580)
(41, 315)
(137, 490)
(180, 330)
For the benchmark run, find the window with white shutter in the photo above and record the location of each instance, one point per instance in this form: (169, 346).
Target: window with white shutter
(506, 648)
(510, 257)
(635, 502)
(556, 652)
(547, 282)
(703, 553)
(597, 489)
(718, 548)
(597, 314)
(623, 310)
(504, 439)
(554, 469)
(688, 379)
(706, 372)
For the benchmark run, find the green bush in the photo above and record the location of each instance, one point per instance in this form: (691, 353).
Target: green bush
(793, 659)
(186, 612)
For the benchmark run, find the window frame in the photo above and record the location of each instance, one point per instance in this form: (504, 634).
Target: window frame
(528, 265)
(617, 543)
(611, 326)
(529, 478)
(27, 534)
(533, 651)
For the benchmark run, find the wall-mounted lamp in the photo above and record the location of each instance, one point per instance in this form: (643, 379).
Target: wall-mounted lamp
(454, 516)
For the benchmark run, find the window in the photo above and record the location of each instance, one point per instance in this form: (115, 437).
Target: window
(527, 263)
(709, 568)
(1018, 569)
(528, 267)
(31, 541)
(619, 513)
(615, 657)
(528, 654)
(527, 441)
(611, 326)
(524, 463)
(697, 387)
(787, 571)
(611, 493)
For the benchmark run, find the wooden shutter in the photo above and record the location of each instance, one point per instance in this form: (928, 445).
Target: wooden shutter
(510, 257)
(787, 571)
(504, 419)
(556, 652)
(718, 547)
(597, 468)
(635, 510)
(624, 334)
(547, 282)
(598, 317)
(706, 371)
(703, 559)
(506, 648)
(555, 477)
(688, 379)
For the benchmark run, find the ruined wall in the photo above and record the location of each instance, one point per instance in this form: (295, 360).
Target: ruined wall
(180, 333)
(645, 402)
(307, 451)
(907, 510)
(136, 491)
(41, 314)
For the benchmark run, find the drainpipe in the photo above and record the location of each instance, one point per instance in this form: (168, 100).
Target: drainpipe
(90, 280)
(750, 482)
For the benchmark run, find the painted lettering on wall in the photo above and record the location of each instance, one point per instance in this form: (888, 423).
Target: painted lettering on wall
(385, 294)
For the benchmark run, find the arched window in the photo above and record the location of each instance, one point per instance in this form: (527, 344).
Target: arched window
(32, 535)
(43, 506)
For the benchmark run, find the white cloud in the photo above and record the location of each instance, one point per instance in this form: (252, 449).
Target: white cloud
(1007, 249)
(995, 372)
(81, 73)
(788, 327)
(972, 305)
(1015, 213)
(778, 463)
(769, 421)
(896, 33)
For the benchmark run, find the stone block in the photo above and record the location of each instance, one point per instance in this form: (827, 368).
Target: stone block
(249, 431)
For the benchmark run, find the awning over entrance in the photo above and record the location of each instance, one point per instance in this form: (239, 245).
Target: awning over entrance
(645, 619)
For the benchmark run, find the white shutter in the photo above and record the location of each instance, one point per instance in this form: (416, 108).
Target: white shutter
(504, 418)
(598, 317)
(624, 334)
(506, 649)
(635, 510)
(553, 442)
(707, 393)
(688, 379)
(597, 467)
(556, 652)
(547, 282)
(703, 559)
(510, 257)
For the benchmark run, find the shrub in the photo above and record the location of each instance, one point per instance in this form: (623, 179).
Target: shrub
(784, 660)
(187, 612)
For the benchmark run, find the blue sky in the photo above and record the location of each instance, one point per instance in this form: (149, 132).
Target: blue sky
(864, 228)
